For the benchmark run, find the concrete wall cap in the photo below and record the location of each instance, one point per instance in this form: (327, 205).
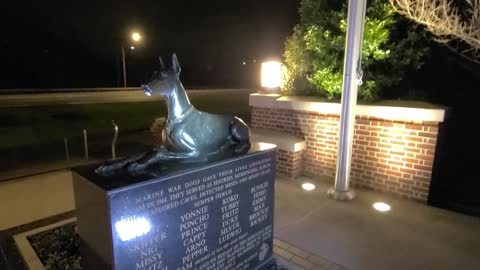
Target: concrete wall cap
(381, 112)
(284, 141)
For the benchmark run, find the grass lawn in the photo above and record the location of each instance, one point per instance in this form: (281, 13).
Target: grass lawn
(20, 126)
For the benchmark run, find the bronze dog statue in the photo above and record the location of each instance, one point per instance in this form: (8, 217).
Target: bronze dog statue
(189, 135)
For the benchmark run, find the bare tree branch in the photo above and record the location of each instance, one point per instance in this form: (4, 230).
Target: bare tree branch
(474, 59)
(448, 22)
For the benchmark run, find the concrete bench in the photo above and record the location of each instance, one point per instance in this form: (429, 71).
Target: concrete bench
(290, 149)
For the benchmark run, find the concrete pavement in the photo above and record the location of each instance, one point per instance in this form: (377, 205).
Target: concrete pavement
(36, 197)
(353, 234)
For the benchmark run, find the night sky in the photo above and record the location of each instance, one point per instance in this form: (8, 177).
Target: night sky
(47, 44)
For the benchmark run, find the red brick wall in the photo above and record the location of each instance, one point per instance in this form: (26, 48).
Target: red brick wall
(395, 157)
(289, 163)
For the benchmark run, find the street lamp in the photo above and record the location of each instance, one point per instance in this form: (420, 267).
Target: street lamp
(136, 37)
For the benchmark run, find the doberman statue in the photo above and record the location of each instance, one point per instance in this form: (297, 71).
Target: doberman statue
(189, 135)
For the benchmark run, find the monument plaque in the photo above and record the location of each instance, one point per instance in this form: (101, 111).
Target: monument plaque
(214, 216)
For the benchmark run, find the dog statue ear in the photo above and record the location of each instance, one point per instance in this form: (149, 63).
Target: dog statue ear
(175, 64)
(162, 65)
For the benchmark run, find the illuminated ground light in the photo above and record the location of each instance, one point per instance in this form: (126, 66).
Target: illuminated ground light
(308, 186)
(382, 207)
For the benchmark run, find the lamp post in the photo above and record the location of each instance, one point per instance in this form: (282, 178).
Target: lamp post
(135, 37)
(124, 68)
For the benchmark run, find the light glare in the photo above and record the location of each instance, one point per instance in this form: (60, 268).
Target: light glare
(382, 207)
(132, 227)
(136, 36)
(308, 186)
(132, 48)
(265, 146)
(271, 77)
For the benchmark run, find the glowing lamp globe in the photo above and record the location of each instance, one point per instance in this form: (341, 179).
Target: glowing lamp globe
(136, 36)
(271, 78)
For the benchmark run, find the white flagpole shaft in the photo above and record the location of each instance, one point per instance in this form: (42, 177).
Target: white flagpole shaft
(353, 48)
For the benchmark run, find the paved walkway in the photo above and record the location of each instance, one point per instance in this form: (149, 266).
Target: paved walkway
(410, 236)
(311, 231)
(36, 197)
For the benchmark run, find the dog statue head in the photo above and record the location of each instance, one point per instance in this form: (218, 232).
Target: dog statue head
(165, 80)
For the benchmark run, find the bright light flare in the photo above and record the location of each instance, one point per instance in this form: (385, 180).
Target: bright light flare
(265, 146)
(382, 207)
(132, 227)
(271, 74)
(136, 36)
(308, 186)
(132, 48)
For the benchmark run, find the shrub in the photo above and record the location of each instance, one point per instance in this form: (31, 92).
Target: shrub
(314, 54)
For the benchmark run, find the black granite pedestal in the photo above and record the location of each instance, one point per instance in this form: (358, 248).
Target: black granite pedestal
(212, 216)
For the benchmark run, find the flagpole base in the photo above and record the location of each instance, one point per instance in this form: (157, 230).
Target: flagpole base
(341, 195)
